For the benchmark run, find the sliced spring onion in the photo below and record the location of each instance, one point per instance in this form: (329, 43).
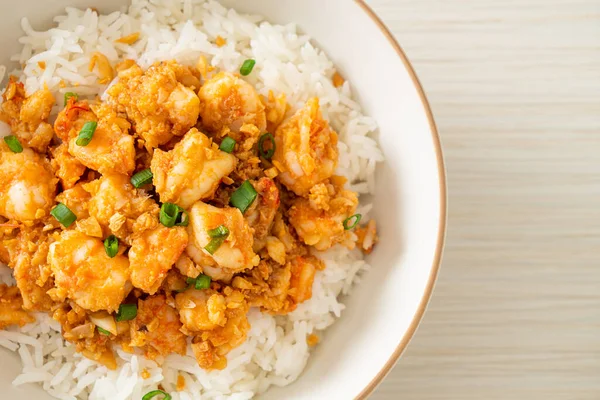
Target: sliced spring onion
(13, 143)
(243, 196)
(86, 133)
(127, 312)
(68, 95)
(214, 244)
(103, 331)
(168, 214)
(155, 393)
(142, 178)
(247, 67)
(351, 221)
(266, 153)
(111, 246)
(63, 215)
(200, 282)
(183, 219)
(219, 231)
(227, 145)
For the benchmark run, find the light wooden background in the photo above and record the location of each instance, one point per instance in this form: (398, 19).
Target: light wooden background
(515, 89)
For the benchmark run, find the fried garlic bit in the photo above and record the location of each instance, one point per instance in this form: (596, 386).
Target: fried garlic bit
(106, 73)
(129, 39)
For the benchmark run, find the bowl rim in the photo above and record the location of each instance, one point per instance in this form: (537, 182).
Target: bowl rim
(441, 235)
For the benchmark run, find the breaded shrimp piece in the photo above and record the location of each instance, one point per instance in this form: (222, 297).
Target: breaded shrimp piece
(111, 149)
(191, 171)
(76, 199)
(66, 167)
(161, 101)
(156, 329)
(27, 185)
(28, 253)
(28, 116)
(235, 253)
(229, 330)
(303, 275)
(201, 310)
(306, 149)
(11, 311)
(261, 213)
(153, 253)
(228, 101)
(115, 203)
(84, 273)
(319, 219)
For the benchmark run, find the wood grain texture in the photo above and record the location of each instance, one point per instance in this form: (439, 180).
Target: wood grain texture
(515, 89)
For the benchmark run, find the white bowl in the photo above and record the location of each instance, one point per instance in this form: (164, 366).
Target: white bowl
(383, 312)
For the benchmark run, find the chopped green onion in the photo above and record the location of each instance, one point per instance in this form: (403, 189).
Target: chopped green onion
(13, 143)
(214, 244)
(268, 153)
(219, 231)
(227, 145)
(247, 67)
(127, 312)
(111, 246)
(218, 235)
(103, 331)
(183, 219)
(68, 95)
(168, 214)
(86, 133)
(155, 393)
(354, 219)
(142, 178)
(200, 282)
(63, 215)
(243, 196)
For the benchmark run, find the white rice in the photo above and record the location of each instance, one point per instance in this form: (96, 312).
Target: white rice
(276, 350)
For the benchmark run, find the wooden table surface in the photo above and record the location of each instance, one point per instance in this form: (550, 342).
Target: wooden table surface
(515, 89)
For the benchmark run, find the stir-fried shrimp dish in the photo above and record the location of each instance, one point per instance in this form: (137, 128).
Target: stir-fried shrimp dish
(156, 216)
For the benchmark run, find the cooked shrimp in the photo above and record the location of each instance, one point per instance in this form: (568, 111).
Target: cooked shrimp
(11, 311)
(201, 310)
(76, 199)
(28, 258)
(28, 116)
(115, 203)
(161, 102)
(303, 275)
(226, 320)
(306, 149)
(319, 219)
(66, 167)
(156, 328)
(261, 213)
(153, 253)
(235, 254)
(191, 171)
(85, 274)
(229, 101)
(111, 149)
(27, 185)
